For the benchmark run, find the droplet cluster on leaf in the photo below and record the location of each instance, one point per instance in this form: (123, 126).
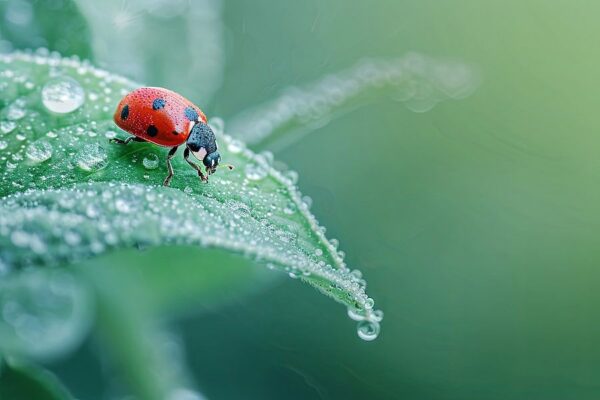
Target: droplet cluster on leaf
(67, 195)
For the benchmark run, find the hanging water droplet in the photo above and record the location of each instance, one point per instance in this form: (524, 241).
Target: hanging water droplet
(368, 330)
(356, 315)
(91, 157)
(255, 172)
(7, 126)
(307, 201)
(150, 161)
(356, 273)
(377, 316)
(295, 273)
(267, 156)
(292, 176)
(62, 95)
(39, 151)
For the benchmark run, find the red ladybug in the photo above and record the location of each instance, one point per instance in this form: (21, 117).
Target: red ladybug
(168, 119)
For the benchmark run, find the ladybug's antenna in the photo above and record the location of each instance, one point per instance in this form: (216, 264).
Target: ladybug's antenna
(228, 166)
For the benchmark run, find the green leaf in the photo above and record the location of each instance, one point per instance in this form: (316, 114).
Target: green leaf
(55, 25)
(416, 80)
(24, 381)
(68, 195)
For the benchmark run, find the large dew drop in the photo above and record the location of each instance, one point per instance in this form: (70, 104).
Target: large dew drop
(150, 161)
(62, 95)
(92, 157)
(255, 172)
(7, 126)
(39, 151)
(368, 330)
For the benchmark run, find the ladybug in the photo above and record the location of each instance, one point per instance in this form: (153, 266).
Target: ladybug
(165, 118)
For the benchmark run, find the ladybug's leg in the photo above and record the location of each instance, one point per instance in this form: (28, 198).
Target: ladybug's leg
(186, 155)
(126, 141)
(172, 152)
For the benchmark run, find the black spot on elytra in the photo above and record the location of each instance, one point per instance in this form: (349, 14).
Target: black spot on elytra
(191, 114)
(152, 131)
(157, 104)
(125, 112)
(175, 133)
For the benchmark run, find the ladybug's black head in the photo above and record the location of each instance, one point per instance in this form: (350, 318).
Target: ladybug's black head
(211, 161)
(203, 145)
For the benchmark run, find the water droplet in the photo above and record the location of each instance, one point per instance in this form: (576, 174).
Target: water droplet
(72, 238)
(19, 13)
(295, 273)
(16, 110)
(318, 252)
(356, 315)
(377, 316)
(150, 161)
(92, 211)
(123, 206)
(292, 176)
(3, 145)
(307, 201)
(235, 146)
(20, 238)
(62, 95)
(356, 273)
(290, 208)
(91, 157)
(39, 151)
(7, 126)
(110, 134)
(188, 190)
(255, 172)
(368, 330)
(369, 303)
(267, 156)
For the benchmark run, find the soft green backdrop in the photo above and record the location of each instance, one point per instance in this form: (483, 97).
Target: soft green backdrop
(475, 223)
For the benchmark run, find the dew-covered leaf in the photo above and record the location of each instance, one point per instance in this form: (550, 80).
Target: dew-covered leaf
(67, 194)
(417, 81)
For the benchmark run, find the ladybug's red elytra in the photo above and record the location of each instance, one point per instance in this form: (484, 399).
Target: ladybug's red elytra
(165, 118)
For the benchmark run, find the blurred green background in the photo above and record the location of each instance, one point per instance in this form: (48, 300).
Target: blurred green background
(474, 223)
